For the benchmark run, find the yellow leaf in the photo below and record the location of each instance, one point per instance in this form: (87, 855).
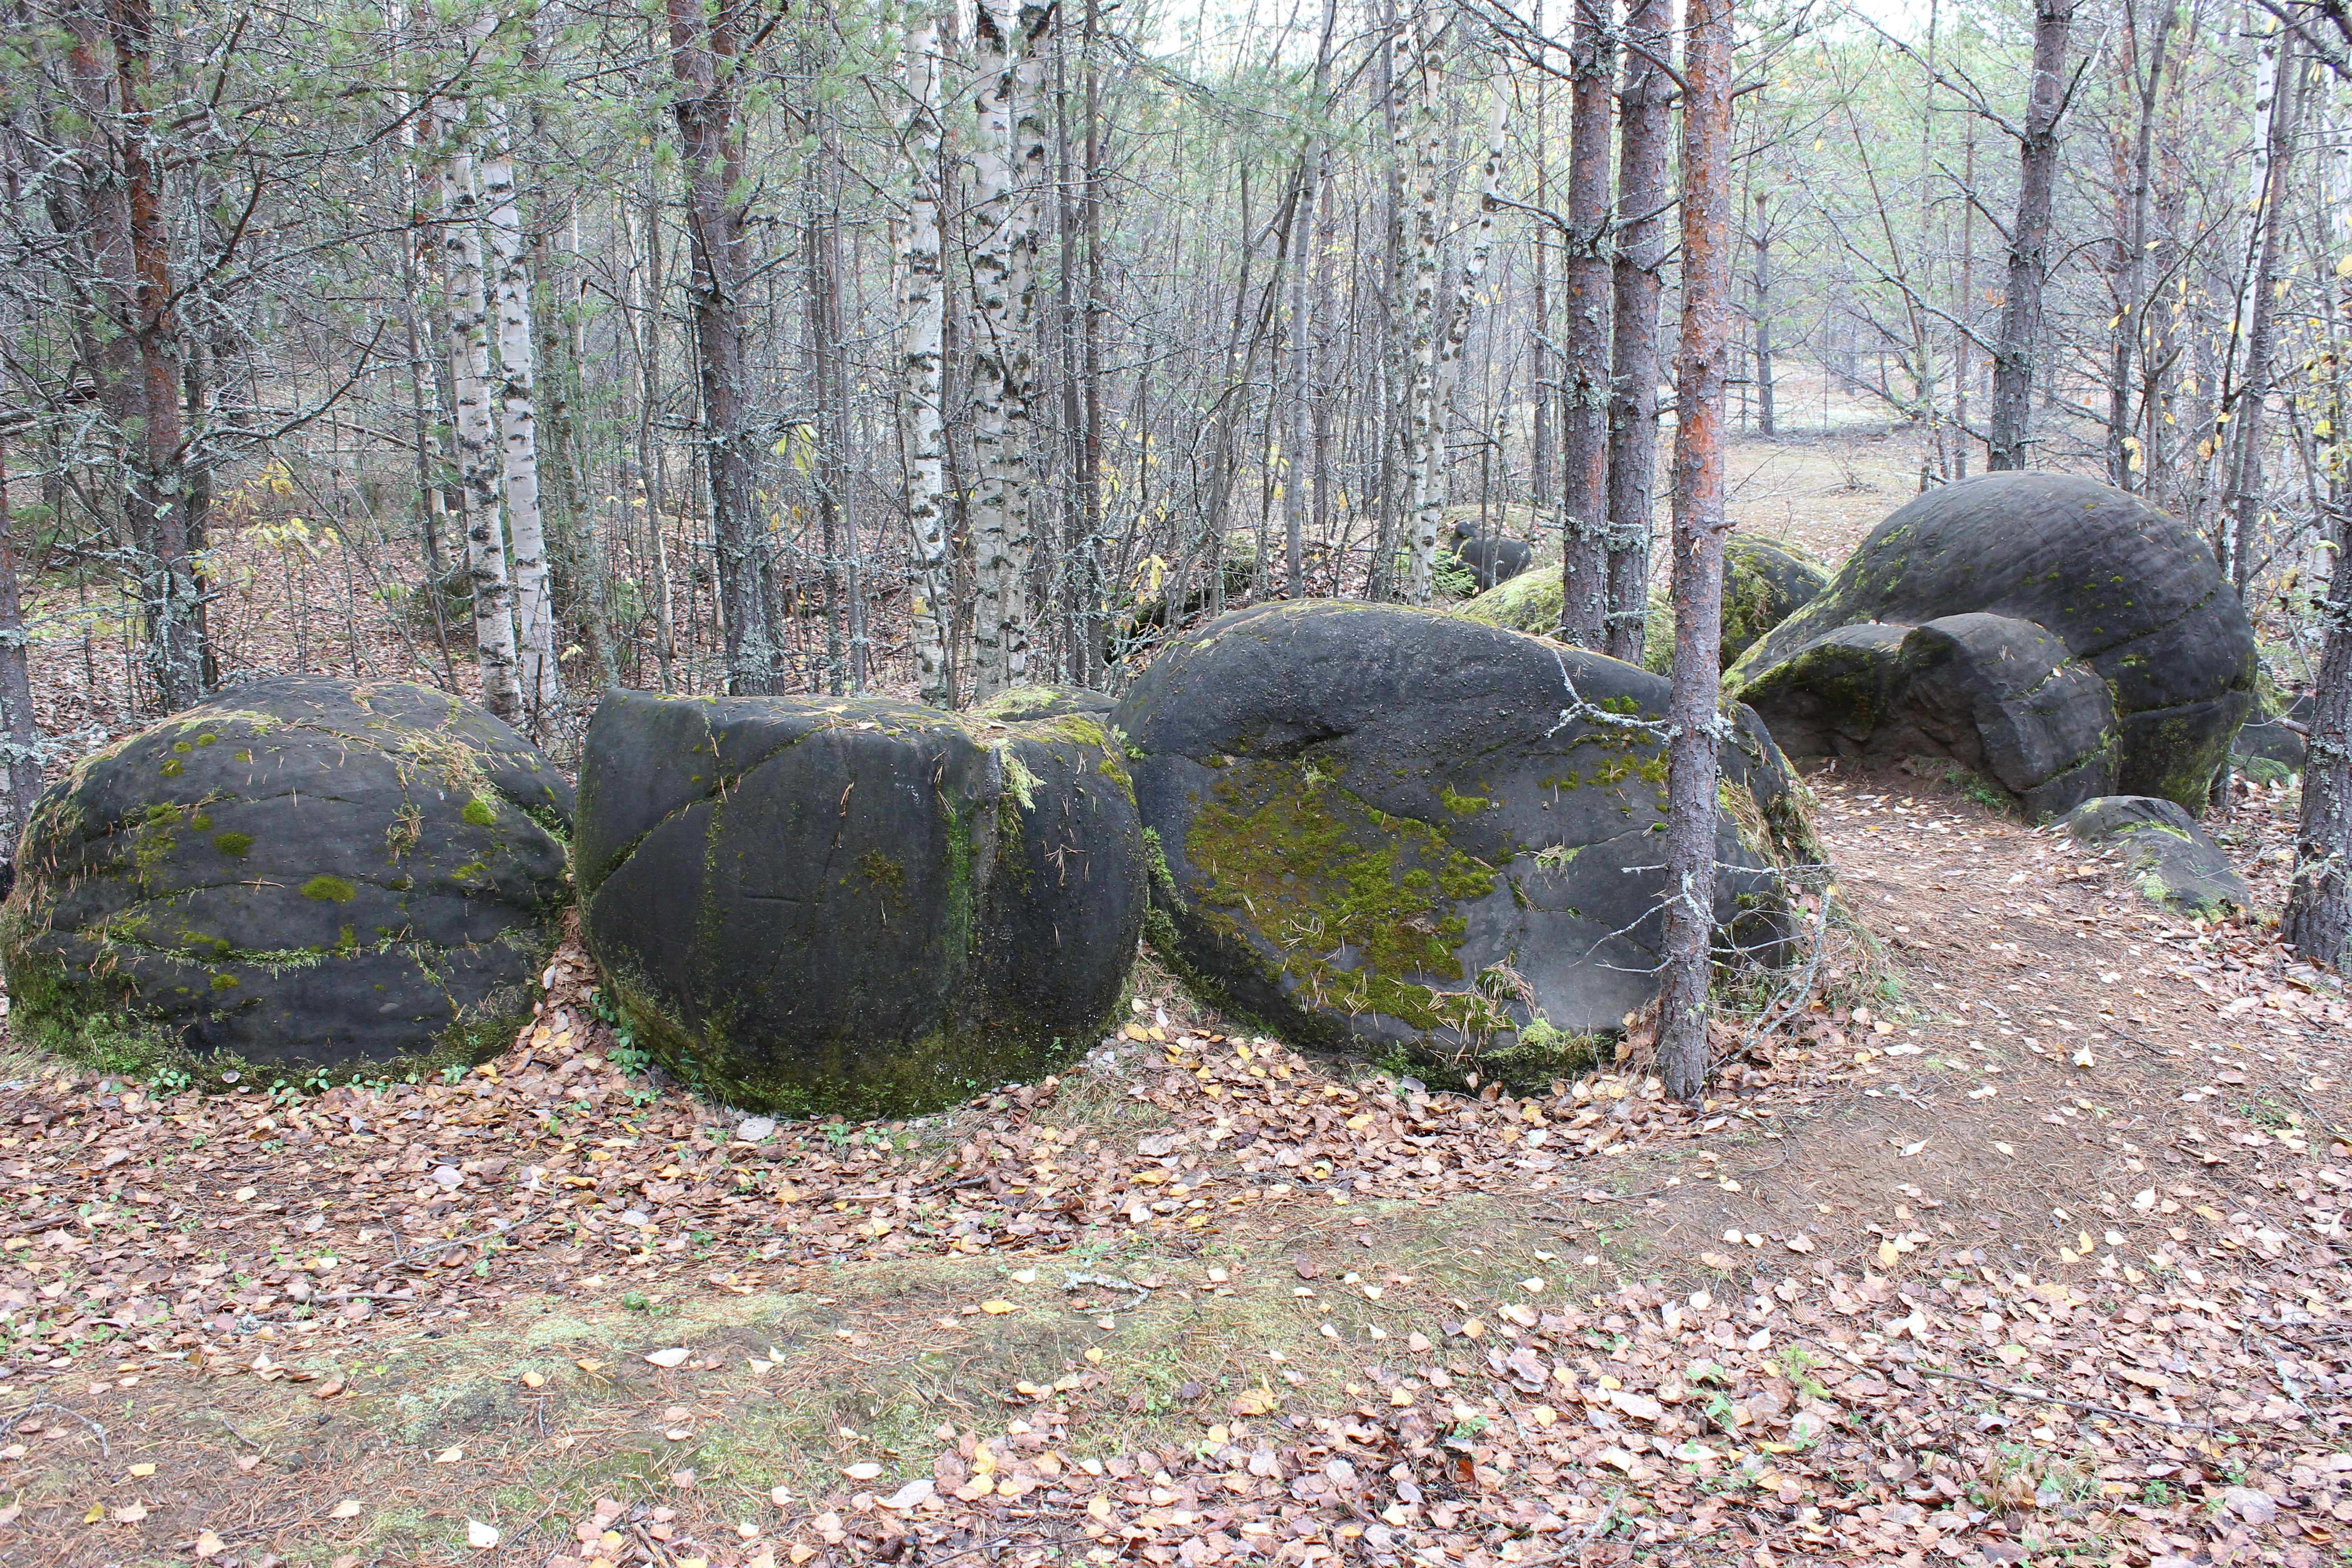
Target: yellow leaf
(208, 1544)
(143, 1469)
(534, 1380)
(96, 1515)
(1888, 1255)
(1099, 1507)
(996, 1308)
(2083, 1243)
(347, 1508)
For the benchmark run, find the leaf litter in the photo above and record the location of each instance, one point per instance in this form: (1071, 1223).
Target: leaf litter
(2167, 1391)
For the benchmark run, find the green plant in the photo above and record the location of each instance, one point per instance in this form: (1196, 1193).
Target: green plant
(634, 1302)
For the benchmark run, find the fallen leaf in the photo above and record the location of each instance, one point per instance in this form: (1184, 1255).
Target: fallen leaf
(996, 1308)
(480, 1536)
(130, 1513)
(208, 1544)
(673, 1356)
(448, 1455)
(143, 1470)
(347, 1508)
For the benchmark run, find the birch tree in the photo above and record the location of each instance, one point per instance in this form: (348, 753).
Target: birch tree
(924, 304)
(1009, 168)
(477, 464)
(1422, 131)
(2243, 500)
(534, 615)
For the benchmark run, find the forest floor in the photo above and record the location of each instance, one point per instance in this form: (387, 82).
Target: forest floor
(1915, 1285)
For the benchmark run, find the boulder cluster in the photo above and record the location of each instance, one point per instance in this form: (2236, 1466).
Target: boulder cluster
(1422, 836)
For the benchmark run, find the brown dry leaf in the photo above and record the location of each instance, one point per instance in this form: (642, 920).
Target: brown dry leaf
(208, 1544)
(673, 1356)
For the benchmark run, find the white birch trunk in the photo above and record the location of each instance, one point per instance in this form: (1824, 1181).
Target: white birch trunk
(1009, 166)
(534, 617)
(478, 473)
(1482, 243)
(1424, 460)
(925, 304)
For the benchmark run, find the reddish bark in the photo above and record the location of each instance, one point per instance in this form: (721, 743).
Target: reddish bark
(1700, 529)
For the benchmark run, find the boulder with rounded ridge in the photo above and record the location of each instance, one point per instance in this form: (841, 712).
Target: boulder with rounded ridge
(856, 906)
(2131, 594)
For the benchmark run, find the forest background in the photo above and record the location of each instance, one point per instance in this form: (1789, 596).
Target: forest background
(530, 351)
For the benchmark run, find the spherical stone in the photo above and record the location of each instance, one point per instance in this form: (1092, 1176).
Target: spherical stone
(856, 906)
(303, 874)
(1375, 827)
(2131, 593)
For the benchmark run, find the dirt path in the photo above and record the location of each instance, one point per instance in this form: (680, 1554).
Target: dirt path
(1915, 1284)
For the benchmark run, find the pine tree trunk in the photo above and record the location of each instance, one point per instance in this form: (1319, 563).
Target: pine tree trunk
(534, 614)
(145, 402)
(477, 471)
(1646, 134)
(1763, 240)
(1693, 765)
(924, 309)
(2029, 245)
(704, 59)
(1586, 297)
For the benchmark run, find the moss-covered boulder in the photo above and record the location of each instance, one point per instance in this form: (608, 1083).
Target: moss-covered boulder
(302, 875)
(2160, 847)
(1388, 830)
(1763, 585)
(1026, 702)
(2131, 593)
(2002, 698)
(1529, 603)
(856, 906)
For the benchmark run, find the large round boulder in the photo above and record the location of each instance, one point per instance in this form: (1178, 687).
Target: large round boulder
(856, 906)
(302, 874)
(1389, 829)
(2130, 594)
